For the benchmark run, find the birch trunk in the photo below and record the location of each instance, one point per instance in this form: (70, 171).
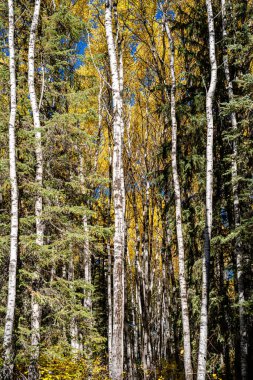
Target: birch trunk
(146, 361)
(87, 263)
(109, 272)
(141, 292)
(74, 341)
(109, 284)
(119, 204)
(180, 241)
(238, 248)
(35, 306)
(202, 354)
(7, 372)
(86, 248)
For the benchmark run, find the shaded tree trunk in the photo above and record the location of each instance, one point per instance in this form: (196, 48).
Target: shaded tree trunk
(74, 341)
(234, 172)
(202, 353)
(86, 248)
(7, 372)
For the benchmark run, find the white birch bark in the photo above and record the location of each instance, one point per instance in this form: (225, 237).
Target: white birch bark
(87, 262)
(86, 248)
(234, 172)
(146, 361)
(35, 306)
(7, 372)
(109, 273)
(180, 240)
(119, 204)
(202, 354)
(109, 284)
(74, 335)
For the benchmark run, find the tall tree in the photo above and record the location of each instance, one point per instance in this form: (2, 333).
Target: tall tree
(179, 227)
(7, 372)
(118, 200)
(35, 306)
(202, 354)
(236, 202)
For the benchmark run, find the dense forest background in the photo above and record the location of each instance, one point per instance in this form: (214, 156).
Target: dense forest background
(126, 189)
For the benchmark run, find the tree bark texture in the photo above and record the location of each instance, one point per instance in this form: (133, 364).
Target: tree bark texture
(202, 354)
(35, 306)
(180, 240)
(119, 203)
(7, 372)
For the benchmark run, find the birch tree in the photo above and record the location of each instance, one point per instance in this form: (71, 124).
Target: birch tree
(7, 372)
(86, 249)
(35, 306)
(179, 228)
(202, 353)
(118, 200)
(236, 203)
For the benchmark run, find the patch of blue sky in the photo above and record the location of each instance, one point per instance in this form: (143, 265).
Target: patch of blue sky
(133, 48)
(133, 45)
(159, 14)
(81, 46)
(5, 50)
(3, 35)
(80, 51)
(132, 100)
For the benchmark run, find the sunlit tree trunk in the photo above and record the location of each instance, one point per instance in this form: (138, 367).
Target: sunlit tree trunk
(35, 306)
(238, 245)
(109, 268)
(109, 290)
(119, 203)
(179, 228)
(202, 354)
(7, 372)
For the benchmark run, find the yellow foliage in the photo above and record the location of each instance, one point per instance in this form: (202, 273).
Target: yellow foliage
(67, 369)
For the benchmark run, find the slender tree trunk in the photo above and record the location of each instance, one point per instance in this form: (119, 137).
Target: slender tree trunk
(146, 283)
(179, 228)
(238, 245)
(109, 272)
(86, 248)
(87, 262)
(109, 284)
(119, 204)
(140, 291)
(7, 372)
(202, 354)
(74, 341)
(35, 306)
